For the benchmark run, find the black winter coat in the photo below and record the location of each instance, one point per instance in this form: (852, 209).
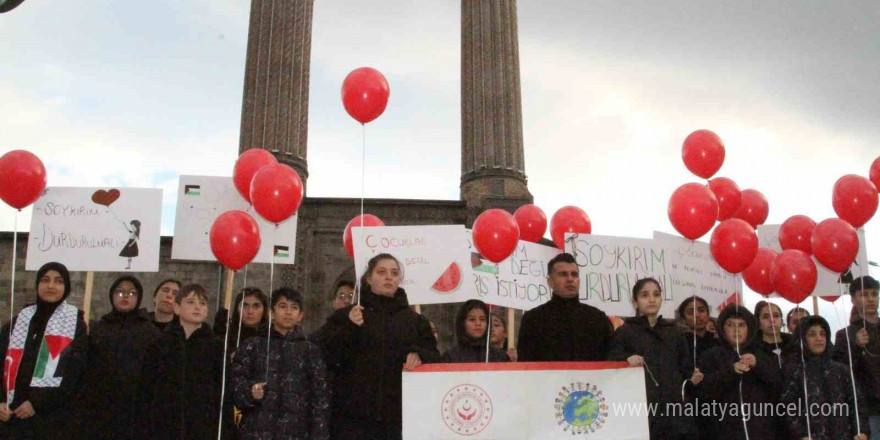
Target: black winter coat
(722, 384)
(181, 386)
(468, 348)
(116, 346)
(668, 365)
(704, 343)
(54, 407)
(369, 358)
(828, 382)
(563, 329)
(296, 401)
(865, 361)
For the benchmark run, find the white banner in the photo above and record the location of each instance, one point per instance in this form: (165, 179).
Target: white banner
(435, 261)
(519, 282)
(96, 229)
(695, 272)
(827, 284)
(525, 401)
(201, 199)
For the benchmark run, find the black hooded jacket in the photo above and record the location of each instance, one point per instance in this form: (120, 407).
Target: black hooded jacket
(470, 349)
(116, 345)
(828, 382)
(369, 358)
(721, 383)
(296, 401)
(180, 386)
(667, 365)
(564, 329)
(53, 407)
(865, 360)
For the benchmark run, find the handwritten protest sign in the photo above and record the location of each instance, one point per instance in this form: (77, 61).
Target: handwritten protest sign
(519, 282)
(694, 272)
(434, 260)
(200, 200)
(96, 229)
(828, 283)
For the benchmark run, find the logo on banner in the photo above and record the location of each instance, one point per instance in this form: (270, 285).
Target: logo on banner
(580, 408)
(466, 409)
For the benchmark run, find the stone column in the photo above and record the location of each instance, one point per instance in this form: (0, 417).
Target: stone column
(492, 162)
(275, 108)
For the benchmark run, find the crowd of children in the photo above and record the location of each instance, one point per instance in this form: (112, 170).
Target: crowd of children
(256, 375)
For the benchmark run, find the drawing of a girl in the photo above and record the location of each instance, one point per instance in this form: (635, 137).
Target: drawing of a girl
(130, 250)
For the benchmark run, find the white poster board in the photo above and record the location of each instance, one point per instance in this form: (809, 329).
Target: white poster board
(519, 282)
(694, 272)
(96, 229)
(828, 283)
(434, 260)
(200, 200)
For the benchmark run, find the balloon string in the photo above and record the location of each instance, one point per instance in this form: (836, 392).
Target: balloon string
(488, 332)
(806, 396)
(357, 279)
(741, 400)
(240, 312)
(271, 285)
(694, 310)
(223, 381)
(220, 287)
(852, 376)
(14, 259)
(775, 336)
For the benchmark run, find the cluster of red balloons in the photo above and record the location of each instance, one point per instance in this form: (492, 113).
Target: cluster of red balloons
(275, 190)
(496, 232)
(22, 178)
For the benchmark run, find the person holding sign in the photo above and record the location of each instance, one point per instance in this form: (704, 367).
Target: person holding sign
(864, 345)
(45, 349)
(116, 343)
(181, 375)
(564, 329)
(658, 345)
(471, 325)
(293, 402)
(369, 345)
(736, 369)
(163, 300)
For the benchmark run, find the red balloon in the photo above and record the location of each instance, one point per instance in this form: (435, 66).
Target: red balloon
(734, 245)
(703, 153)
(692, 210)
(276, 192)
(569, 219)
(495, 234)
(757, 275)
(365, 94)
(356, 222)
(797, 233)
(246, 166)
(830, 299)
(754, 208)
(728, 194)
(854, 199)
(794, 275)
(874, 173)
(235, 239)
(835, 244)
(532, 223)
(22, 178)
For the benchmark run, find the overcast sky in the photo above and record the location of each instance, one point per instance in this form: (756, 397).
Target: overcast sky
(112, 93)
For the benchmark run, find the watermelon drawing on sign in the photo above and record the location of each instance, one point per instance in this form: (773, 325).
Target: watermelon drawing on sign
(449, 281)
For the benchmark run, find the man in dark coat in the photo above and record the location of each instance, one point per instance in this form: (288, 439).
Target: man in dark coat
(471, 349)
(46, 343)
(182, 373)
(294, 403)
(116, 345)
(724, 369)
(563, 329)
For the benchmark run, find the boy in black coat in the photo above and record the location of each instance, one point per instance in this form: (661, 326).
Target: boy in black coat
(182, 375)
(294, 403)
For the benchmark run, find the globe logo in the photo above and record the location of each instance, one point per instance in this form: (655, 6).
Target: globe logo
(580, 408)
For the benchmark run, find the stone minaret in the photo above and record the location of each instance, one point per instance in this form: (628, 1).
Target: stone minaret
(275, 109)
(492, 162)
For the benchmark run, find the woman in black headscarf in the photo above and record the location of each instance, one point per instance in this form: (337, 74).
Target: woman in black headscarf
(116, 343)
(471, 327)
(46, 350)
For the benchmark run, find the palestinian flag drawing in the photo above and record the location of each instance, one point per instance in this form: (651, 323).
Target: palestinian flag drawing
(192, 190)
(282, 252)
